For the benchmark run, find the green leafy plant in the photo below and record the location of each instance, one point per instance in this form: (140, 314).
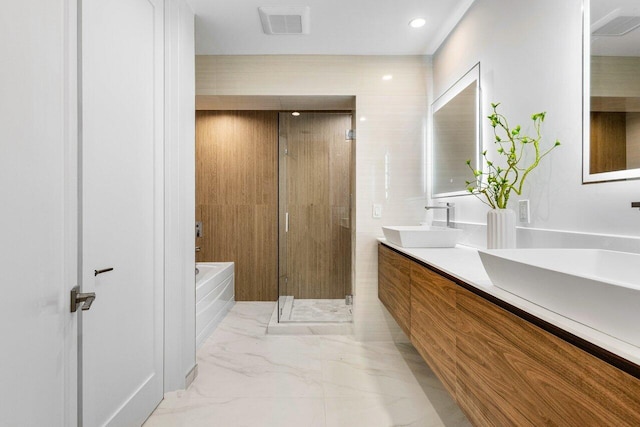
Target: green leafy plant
(496, 182)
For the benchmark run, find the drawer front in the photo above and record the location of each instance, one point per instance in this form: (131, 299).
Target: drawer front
(394, 285)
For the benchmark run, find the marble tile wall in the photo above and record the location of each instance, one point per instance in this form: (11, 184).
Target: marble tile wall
(391, 138)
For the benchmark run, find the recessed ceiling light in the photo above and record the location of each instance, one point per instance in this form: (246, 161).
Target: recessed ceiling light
(387, 77)
(295, 114)
(363, 119)
(417, 23)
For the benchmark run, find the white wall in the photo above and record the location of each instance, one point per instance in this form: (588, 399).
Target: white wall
(389, 145)
(180, 194)
(531, 60)
(38, 229)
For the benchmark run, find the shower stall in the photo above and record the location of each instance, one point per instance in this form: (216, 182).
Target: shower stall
(315, 182)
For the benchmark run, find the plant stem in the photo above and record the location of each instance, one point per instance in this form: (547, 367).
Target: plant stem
(495, 184)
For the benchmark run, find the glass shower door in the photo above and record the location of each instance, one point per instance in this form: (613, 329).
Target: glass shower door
(314, 204)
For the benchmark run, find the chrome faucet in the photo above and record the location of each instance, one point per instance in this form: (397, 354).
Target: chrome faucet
(449, 207)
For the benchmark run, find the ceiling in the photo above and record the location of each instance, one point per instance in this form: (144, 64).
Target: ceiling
(338, 27)
(603, 11)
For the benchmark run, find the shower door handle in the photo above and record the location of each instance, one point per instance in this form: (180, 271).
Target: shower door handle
(286, 222)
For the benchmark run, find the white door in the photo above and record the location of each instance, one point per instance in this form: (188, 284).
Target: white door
(37, 214)
(122, 203)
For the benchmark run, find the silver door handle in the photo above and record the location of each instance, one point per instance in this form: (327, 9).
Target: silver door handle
(84, 300)
(104, 270)
(286, 222)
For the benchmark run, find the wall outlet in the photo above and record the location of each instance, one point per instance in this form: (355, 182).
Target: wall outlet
(376, 211)
(523, 211)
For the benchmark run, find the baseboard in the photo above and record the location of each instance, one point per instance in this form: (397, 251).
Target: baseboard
(191, 375)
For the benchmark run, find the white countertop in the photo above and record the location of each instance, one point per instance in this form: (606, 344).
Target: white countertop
(463, 262)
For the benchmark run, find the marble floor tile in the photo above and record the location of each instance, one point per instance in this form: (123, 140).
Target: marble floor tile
(246, 319)
(381, 411)
(236, 412)
(349, 345)
(248, 378)
(245, 374)
(368, 374)
(234, 342)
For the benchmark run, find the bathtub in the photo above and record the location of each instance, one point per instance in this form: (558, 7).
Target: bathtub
(214, 296)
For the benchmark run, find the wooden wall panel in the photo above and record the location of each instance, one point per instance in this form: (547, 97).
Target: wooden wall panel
(510, 372)
(237, 198)
(394, 286)
(608, 142)
(315, 192)
(633, 140)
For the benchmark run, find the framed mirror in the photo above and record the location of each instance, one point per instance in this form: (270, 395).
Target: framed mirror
(456, 136)
(611, 148)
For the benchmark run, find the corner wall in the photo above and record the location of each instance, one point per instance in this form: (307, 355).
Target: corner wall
(530, 55)
(389, 146)
(179, 319)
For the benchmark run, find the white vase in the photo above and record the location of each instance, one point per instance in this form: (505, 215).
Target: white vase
(501, 229)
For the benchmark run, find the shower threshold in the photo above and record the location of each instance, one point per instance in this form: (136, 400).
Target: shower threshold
(312, 317)
(315, 310)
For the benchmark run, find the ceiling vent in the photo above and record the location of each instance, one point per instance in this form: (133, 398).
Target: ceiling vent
(618, 26)
(281, 20)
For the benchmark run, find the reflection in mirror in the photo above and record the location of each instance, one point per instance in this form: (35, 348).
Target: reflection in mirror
(456, 135)
(612, 149)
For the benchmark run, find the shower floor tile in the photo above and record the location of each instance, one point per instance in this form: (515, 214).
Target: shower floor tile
(316, 310)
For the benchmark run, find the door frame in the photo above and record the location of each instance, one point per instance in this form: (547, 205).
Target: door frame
(72, 247)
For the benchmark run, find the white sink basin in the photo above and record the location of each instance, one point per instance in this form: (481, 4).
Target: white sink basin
(598, 288)
(419, 236)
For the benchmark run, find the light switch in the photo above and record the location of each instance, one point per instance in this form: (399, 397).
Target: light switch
(377, 210)
(523, 211)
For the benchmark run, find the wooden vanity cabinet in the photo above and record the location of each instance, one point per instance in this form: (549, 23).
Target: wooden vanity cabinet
(500, 368)
(511, 372)
(394, 286)
(433, 322)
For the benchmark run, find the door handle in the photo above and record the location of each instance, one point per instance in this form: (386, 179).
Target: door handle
(82, 300)
(286, 222)
(104, 270)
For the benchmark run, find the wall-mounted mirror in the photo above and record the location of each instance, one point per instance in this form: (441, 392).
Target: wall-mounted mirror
(612, 90)
(456, 135)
